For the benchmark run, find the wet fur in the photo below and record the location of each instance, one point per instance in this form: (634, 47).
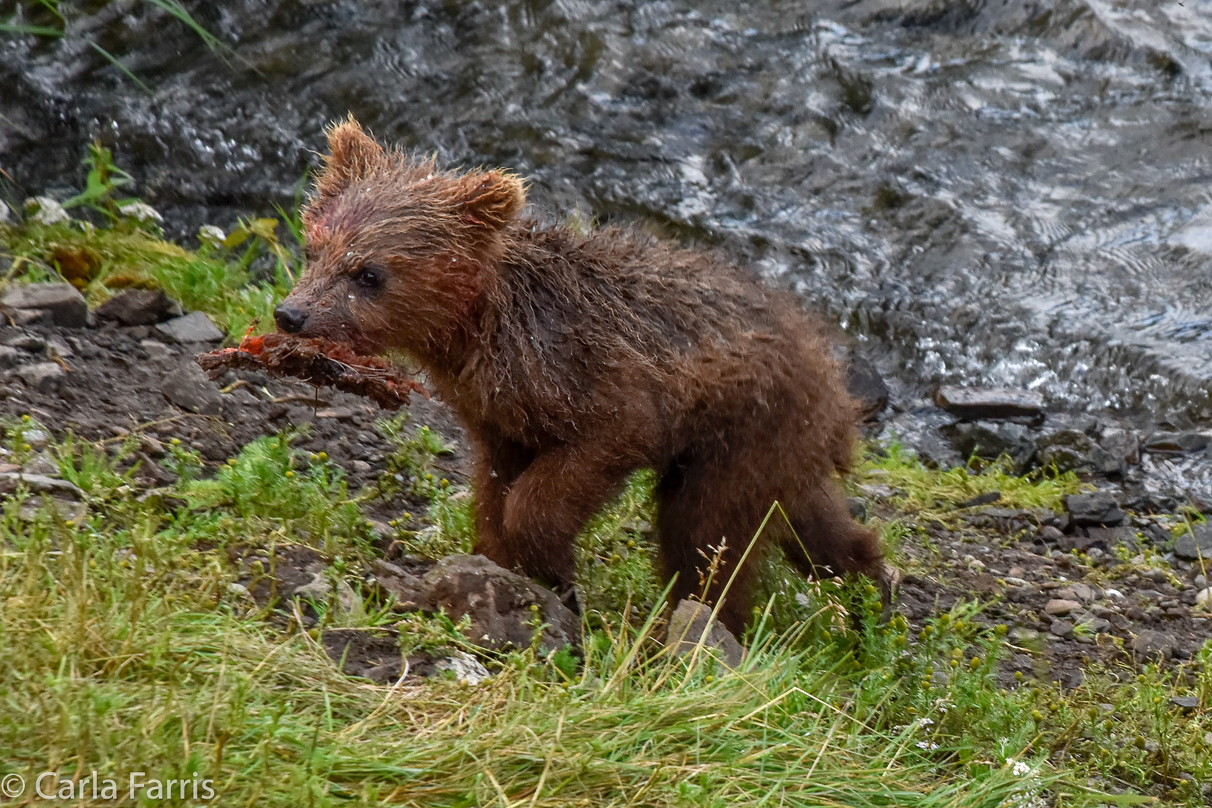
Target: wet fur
(575, 359)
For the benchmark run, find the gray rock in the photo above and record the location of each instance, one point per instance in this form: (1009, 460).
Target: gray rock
(1097, 537)
(689, 624)
(405, 584)
(990, 403)
(1203, 599)
(139, 307)
(193, 327)
(1061, 628)
(294, 567)
(156, 350)
(866, 386)
(1149, 643)
(10, 357)
(1095, 625)
(1074, 450)
(1122, 445)
(375, 654)
(41, 463)
(499, 603)
(36, 438)
(1185, 703)
(11, 481)
(69, 510)
(1078, 591)
(64, 303)
(189, 388)
(1099, 508)
(987, 498)
(44, 377)
(31, 343)
(1177, 442)
(465, 668)
(1192, 546)
(992, 439)
(320, 589)
(1059, 607)
(917, 433)
(27, 317)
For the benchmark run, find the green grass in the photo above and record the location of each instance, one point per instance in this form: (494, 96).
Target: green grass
(123, 647)
(931, 493)
(215, 280)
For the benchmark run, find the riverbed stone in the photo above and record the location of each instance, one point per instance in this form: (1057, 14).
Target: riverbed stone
(866, 386)
(1149, 643)
(63, 302)
(1059, 607)
(1178, 442)
(139, 307)
(42, 377)
(689, 624)
(1121, 447)
(1195, 545)
(499, 604)
(989, 403)
(992, 439)
(11, 481)
(193, 327)
(10, 357)
(189, 388)
(1098, 508)
(916, 432)
(1203, 599)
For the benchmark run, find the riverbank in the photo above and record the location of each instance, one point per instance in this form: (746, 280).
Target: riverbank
(199, 576)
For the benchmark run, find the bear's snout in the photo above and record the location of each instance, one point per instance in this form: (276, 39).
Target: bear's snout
(289, 318)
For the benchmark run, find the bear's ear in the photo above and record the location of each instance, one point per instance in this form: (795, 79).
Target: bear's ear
(352, 156)
(491, 199)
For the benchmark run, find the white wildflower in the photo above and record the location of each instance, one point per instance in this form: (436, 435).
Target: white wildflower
(929, 747)
(211, 236)
(926, 722)
(802, 599)
(1019, 768)
(140, 211)
(45, 210)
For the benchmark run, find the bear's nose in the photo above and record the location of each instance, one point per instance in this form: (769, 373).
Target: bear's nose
(289, 319)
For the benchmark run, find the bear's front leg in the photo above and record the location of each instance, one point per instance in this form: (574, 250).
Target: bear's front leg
(499, 463)
(552, 500)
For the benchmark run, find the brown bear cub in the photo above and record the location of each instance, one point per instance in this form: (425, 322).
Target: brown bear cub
(575, 359)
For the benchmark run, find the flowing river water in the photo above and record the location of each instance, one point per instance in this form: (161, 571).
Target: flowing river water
(1001, 192)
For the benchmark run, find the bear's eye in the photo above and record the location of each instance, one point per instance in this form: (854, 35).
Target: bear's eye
(369, 277)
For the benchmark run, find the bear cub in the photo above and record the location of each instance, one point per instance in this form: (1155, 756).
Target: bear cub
(574, 359)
